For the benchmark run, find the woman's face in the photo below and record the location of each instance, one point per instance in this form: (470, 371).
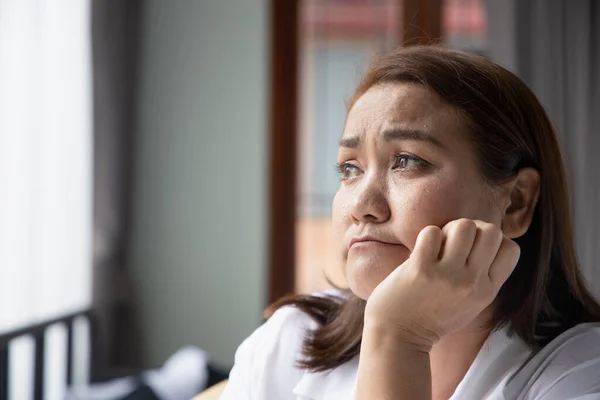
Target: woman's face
(405, 162)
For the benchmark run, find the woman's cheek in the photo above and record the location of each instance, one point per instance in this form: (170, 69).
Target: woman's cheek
(428, 205)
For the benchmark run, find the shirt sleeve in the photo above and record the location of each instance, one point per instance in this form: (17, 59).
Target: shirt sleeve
(265, 363)
(578, 383)
(572, 370)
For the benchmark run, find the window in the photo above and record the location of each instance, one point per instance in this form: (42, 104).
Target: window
(337, 40)
(45, 173)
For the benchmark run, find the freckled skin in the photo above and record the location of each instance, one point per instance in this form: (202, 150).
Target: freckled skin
(395, 204)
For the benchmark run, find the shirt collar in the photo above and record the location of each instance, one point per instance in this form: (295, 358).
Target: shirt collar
(499, 356)
(339, 383)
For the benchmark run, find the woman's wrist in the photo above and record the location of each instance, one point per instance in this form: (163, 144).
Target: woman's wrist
(399, 337)
(393, 365)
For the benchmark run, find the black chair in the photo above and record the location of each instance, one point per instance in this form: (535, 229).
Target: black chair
(38, 332)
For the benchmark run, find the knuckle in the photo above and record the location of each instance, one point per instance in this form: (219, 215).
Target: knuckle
(512, 246)
(493, 232)
(431, 231)
(486, 226)
(464, 222)
(464, 225)
(450, 224)
(499, 237)
(489, 228)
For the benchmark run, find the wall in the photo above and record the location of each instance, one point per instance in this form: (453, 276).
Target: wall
(502, 32)
(200, 230)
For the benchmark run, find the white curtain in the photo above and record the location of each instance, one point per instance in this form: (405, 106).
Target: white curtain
(558, 55)
(45, 173)
(554, 46)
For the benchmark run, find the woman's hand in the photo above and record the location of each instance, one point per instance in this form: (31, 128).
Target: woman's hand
(452, 275)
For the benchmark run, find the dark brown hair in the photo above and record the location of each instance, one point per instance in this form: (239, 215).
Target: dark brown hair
(546, 294)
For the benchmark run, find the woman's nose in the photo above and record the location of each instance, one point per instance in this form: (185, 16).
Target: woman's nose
(370, 203)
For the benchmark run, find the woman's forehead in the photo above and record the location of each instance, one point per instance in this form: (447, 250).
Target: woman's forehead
(403, 105)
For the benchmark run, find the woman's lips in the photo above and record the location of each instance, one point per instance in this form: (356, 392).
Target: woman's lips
(368, 243)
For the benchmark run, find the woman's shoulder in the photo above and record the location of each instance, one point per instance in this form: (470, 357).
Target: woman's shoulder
(566, 368)
(291, 321)
(266, 362)
(283, 333)
(288, 323)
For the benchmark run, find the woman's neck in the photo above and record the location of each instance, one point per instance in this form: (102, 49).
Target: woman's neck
(452, 357)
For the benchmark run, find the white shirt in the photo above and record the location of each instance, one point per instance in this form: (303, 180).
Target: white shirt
(567, 368)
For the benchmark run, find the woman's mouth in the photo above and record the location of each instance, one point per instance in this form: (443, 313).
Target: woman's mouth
(368, 242)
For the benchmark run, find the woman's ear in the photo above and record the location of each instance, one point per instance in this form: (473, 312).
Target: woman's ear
(524, 194)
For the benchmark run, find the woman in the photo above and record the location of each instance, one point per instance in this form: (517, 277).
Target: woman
(452, 223)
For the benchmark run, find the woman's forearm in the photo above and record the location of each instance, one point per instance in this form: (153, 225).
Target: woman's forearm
(390, 368)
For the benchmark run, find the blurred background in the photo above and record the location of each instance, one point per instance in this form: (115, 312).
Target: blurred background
(166, 166)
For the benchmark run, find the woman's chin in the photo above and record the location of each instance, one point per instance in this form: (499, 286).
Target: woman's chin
(364, 274)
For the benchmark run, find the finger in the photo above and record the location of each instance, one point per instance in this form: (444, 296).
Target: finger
(428, 245)
(505, 262)
(485, 247)
(459, 237)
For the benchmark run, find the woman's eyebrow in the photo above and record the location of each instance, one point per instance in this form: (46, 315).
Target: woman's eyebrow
(394, 134)
(410, 134)
(350, 142)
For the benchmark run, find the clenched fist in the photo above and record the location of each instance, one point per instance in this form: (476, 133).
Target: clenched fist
(451, 276)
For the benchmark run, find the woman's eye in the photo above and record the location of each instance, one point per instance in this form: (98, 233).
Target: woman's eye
(408, 161)
(347, 171)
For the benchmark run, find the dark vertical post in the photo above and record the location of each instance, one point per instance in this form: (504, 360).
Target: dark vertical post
(69, 378)
(283, 120)
(38, 376)
(4, 372)
(421, 21)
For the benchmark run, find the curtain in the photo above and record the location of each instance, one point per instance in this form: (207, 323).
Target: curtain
(45, 178)
(558, 55)
(115, 43)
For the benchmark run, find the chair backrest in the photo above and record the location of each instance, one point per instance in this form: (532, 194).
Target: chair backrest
(213, 392)
(38, 332)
